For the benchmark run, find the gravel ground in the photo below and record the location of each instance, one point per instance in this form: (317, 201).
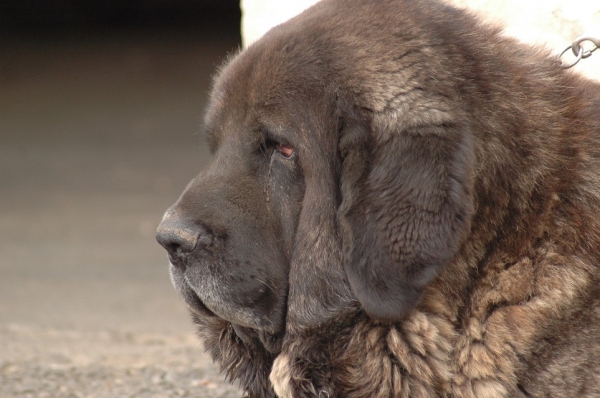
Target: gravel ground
(45, 362)
(98, 136)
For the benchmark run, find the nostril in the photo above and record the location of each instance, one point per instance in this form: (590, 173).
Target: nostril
(174, 249)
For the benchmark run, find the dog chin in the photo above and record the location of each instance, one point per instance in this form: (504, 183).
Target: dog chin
(201, 302)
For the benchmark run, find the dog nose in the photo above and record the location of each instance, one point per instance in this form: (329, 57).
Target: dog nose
(177, 240)
(180, 236)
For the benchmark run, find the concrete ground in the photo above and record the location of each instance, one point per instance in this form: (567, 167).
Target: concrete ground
(98, 136)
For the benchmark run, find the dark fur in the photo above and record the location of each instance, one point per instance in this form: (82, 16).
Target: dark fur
(435, 232)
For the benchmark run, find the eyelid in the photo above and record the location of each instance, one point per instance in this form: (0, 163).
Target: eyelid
(267, 146)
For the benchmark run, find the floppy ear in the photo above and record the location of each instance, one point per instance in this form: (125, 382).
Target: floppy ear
(406, 209)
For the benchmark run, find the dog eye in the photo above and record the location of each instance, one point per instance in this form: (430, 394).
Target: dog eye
(285, 150)
(269, 147)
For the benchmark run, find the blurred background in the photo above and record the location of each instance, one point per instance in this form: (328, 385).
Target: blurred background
(100, 109)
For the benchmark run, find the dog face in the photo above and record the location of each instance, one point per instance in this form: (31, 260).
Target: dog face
(230, 235)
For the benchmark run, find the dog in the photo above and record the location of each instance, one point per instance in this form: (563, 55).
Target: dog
(401, 203)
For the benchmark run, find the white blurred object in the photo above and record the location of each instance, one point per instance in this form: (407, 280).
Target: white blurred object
(552, 23)
(258, 16)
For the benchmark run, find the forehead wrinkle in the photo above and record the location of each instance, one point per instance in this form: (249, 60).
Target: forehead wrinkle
(256, 80)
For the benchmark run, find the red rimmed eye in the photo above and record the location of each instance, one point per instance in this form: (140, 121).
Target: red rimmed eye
(285, 150)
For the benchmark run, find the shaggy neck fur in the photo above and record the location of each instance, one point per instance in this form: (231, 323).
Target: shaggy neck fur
(487, 319)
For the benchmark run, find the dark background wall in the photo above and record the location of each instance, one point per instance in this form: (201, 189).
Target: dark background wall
(116, 12)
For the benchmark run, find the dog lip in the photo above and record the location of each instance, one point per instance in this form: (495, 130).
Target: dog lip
(190, 297)
(199, 308)
(196, 305)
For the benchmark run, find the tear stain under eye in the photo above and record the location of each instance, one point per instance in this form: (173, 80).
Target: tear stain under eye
(267, 185)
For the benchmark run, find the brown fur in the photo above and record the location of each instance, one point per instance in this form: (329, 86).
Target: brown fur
(435, 233)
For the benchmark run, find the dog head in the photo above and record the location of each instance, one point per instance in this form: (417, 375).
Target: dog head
(327, 186)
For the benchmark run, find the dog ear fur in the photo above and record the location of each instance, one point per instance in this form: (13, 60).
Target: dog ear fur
(406, 209)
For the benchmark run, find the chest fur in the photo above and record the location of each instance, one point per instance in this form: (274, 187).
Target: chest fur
(478, 349)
